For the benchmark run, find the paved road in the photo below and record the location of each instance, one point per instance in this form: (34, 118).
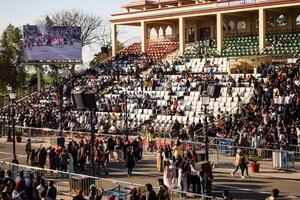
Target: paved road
(54, 53)
(256, 187)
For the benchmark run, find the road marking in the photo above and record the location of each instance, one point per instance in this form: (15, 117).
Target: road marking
(5, 159)
(238, 189)
(257, 175)
(134, 172)
(6, 153)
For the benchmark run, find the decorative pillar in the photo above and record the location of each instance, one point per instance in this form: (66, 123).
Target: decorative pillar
(220, 34)
(38, 75)
(195, 32)
(181, 35)
(164, 32)
(149, 32)
(144, 36)
(157, 32)
(262, 29)
(114, 39)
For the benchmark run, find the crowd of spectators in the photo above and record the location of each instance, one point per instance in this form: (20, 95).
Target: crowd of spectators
(270, 120)
(43, 109)
(17, 187)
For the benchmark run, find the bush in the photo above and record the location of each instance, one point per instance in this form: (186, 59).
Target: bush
(256, 158)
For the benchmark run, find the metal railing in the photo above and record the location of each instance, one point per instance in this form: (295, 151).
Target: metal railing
(219, 151)
(70, 183)
(225, 154)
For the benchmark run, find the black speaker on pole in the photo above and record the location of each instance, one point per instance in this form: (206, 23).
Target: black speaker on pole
(78, 99)
(214, 90)
(89, 100)
(104, 49)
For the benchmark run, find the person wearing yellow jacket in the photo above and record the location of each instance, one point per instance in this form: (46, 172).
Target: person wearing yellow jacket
(150, 139)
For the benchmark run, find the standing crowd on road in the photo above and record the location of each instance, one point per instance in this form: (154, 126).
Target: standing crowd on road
(181, 172)
(75, 156)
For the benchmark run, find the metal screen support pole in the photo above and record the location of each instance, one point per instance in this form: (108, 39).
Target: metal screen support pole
(92, 143)
(218, 155)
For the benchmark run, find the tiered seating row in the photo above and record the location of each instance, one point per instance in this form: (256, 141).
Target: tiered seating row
(155, 50)
(276, 44)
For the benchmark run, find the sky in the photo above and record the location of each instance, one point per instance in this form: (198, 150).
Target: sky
(20, 12)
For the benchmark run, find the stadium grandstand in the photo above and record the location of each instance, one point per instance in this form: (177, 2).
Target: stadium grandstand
(219, 72)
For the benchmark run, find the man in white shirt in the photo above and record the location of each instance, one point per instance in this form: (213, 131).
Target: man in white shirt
(195, 179)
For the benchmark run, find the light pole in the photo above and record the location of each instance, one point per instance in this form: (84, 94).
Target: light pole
(126, 112)
(125, 98)
(12, 98)
(61, 103)
(205, 103)
(92, 141)
(9, 90)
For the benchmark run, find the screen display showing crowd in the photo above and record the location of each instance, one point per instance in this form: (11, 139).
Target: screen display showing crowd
(57, 43)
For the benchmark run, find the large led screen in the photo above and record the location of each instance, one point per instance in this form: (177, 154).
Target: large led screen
(57, 43)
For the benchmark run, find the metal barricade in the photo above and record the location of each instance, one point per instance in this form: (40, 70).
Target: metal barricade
(69, 183)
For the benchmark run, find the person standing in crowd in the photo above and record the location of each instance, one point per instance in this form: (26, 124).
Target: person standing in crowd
(150, 139)
(82, 156)
(42, 157)
(52, 158)
(182, 180)
(150, 195)
(42, 187)
(130, 162)
(173, 167)
(167, 152)
(32, 158)
(167, 176)
(52, 191)
(79, 196)
(177, 150)
(140, 147)
(100, 156)
(238, 163)
(194, 179)
(31, 191)
(275, 195)
(134, 194)
(70, 162)
(163, 193)
(226, 195)
(95, 194)
(58, 153)
(28, 150)
(245, 162)
(64, 160)
(136, 151)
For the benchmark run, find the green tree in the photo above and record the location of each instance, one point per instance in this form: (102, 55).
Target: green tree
(11, 53)
(94, 29)
(48, 21)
